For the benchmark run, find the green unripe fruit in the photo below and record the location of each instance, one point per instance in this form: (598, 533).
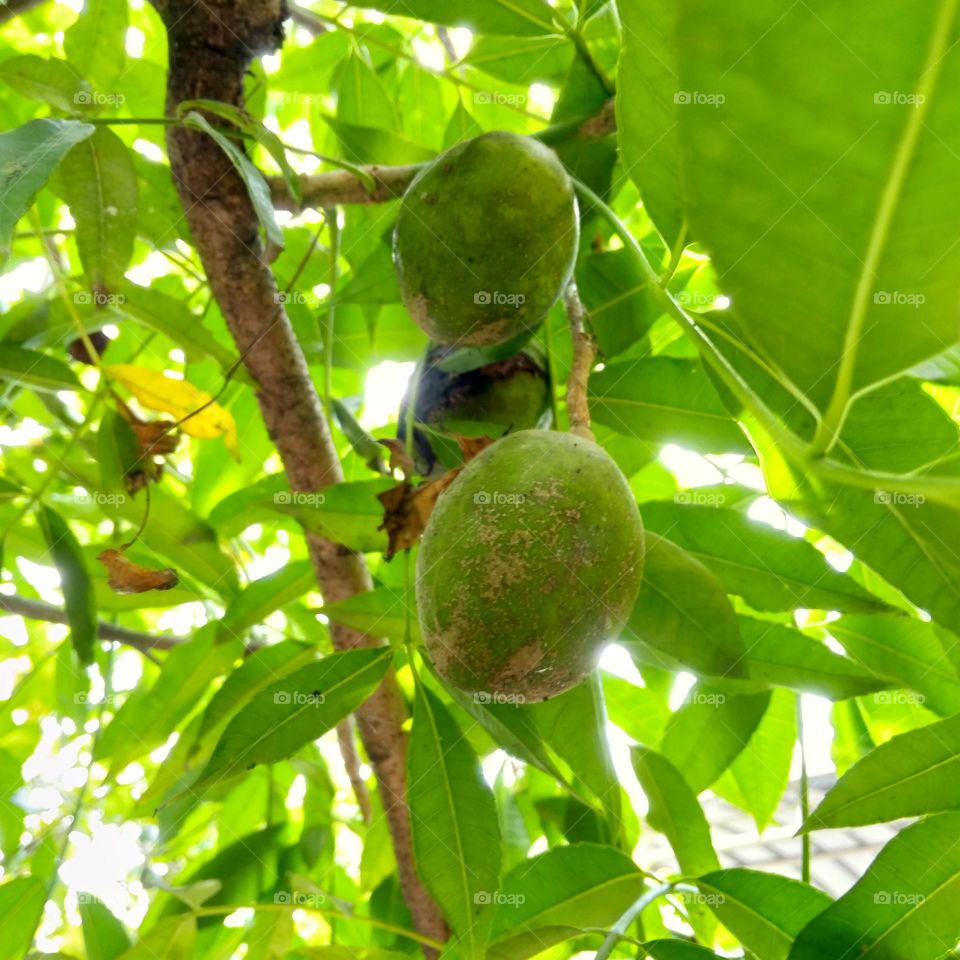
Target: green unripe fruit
(531, 562)
(486, 240)
(512, 394)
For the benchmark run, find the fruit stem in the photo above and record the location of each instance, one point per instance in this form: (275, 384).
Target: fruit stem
(584, 353)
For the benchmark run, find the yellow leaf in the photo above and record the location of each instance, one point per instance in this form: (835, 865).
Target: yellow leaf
(178, 398)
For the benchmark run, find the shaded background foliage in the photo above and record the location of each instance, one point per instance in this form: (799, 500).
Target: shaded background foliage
(769, 263)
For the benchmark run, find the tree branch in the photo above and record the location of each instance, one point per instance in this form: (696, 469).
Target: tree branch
(37, 610)
(584, 353)
(211, 45)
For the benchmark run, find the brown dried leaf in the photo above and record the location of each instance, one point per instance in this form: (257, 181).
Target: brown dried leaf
(408, 508)
(471, 446)
(125, 576)
(155, 436)
(399, 458)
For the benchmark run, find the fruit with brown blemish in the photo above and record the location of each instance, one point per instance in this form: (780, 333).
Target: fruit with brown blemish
(531, 562)
(486, 239)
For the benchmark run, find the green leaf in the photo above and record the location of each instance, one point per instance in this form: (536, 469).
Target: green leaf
(461, 127)
(293, 711)
(149, 715)
(683, 613)
(765, 912)
(549, 898)
(252, 178)
(347, 513)
(512, 17)
(647, 84)
(709, 731)
(104, 936)
(48, 79)
(36, 370)
(677, 950)
(260, 598)
(28, 155)
(362, 99)
(665, 400)
(95, 42)
(915, 773)
(769, 159)
(171, 317)
(456, 833)
(381, 612)
(258, 671)
(758, 776)
(118, 452)
(171, 939)
(905, 905)
(98, 181)
(675, 812)
(21, 906)
(769, 569)
(784, 657)
(905, 650)
(75, 582)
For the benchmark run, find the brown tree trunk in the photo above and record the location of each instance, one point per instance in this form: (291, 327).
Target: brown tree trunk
(211, 45)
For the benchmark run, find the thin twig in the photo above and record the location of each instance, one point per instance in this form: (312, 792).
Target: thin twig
(584, 353)
(351, 763)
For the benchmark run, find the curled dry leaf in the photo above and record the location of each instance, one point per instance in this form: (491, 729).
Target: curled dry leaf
(471, 446)
(194, 409)
(407, 509)
(125, 576)
(399, 458)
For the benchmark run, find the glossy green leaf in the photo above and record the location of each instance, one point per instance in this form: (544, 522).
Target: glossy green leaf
(758, 776)
(172, 939)
(912, 774)
(769, 569)
(765, 912)
(456, 834)
(646, 111)
(21, 906)
(675, 812)
(95, 42)
(905, 905)
(665, 400)
(347, 513)
(908, 650)
(28, 156)
(549, 898)
(253, 180)
(98, 181)
(381, 612)
(709, 731)
(260, 598)
(296, 709)
(773, 202)
(104, 936)
(75, 582)
(683, 613)
(36, 370)
(53, 81)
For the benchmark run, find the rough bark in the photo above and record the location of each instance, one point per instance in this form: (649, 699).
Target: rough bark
(211, 44)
